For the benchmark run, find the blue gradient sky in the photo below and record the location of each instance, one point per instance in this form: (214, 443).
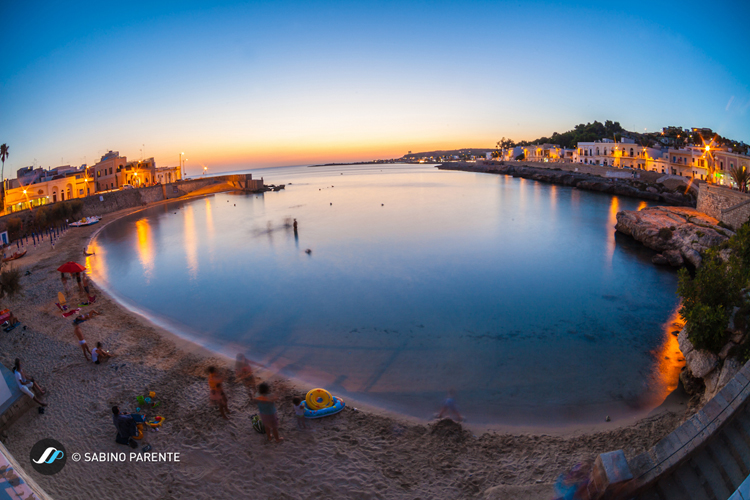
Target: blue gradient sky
(289, 83)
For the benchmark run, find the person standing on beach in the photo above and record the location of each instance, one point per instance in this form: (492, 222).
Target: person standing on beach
(267, 410)
(299, 413)
(449, 408)
(82, 341)
(244, 373)
(64, 280)
(216, 394)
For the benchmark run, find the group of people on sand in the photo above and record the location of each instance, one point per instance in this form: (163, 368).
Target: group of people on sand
(98, 353)
(83, 284)
(260, 394)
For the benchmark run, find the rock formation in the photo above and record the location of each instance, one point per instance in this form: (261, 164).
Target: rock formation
(714, 370)
(622, 187)
(680, 234)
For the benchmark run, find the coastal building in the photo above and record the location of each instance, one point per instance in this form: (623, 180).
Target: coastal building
(107, 170)
(543, 153)
(114, 171)
(33, 187)
(622, 154)
(165, 175)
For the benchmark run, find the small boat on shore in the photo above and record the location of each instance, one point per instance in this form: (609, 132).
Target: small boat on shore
(86, 221)
(16, 255)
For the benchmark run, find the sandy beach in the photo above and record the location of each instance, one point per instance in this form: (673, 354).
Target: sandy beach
(360, 453)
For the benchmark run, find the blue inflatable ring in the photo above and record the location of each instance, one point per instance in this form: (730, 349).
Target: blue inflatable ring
(338, 405)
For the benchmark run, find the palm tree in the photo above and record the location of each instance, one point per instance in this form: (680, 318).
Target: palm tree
(741, 177)
(3, 156)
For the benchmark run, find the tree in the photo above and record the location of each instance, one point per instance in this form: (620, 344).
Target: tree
(708, 300)
(10, 283)
(741, 177)
(3, 156)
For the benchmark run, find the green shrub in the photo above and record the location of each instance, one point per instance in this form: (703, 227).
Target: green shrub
(708, 300)
(521, 157)
(10, 282)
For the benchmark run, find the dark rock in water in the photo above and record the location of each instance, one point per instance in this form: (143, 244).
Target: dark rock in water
(659, 260)
(677, 199)
(674, 257)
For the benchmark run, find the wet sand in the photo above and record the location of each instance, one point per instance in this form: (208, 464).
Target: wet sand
(367, 453)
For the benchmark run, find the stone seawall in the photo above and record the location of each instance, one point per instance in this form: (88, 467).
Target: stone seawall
(105, 203)
(727, 205)
(566, 174)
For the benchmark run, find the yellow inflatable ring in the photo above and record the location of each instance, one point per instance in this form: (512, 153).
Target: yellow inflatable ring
(317, 399)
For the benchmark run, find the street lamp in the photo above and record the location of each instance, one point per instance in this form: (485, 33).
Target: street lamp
(181, 164)
(204, 170)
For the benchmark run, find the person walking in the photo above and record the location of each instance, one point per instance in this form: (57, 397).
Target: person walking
(267, 410)
(217, 395)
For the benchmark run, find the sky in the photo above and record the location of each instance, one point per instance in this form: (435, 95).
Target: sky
(258, 84)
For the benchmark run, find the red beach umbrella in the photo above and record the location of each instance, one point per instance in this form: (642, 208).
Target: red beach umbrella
(71, 267)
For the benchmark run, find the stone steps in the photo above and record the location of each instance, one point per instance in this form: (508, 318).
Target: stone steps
(715, 471)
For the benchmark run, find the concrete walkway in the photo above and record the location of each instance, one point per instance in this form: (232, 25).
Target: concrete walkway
(713, 472)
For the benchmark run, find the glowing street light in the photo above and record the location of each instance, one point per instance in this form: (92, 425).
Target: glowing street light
(204, 170)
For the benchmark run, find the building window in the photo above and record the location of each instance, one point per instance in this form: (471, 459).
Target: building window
(110, 170)
(631, 152)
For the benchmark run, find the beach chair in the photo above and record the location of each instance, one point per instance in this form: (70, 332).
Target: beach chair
(62, 304)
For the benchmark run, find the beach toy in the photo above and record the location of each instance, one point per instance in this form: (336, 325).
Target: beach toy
(258, 424)
(337, 405)
(156, 403)
(152, 394)
(148, 400)
(137, 410)
(156, 422)
(140, 400)
(317, 399)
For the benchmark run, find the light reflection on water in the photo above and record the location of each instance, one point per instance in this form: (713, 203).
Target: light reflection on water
(517, 294)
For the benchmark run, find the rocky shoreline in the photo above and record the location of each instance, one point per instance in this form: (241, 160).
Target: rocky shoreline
(679, 234)
(634, 188)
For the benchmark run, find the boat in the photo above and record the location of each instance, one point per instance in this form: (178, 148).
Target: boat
(86, 221)
(15, 256)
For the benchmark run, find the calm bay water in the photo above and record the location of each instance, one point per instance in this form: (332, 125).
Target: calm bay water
(516, 294)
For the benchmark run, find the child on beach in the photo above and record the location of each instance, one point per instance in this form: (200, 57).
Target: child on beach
(98, 354)
(244, 373)
(82, 341)
(217, 395)
(267, 410)
(299, 413)
(449, 408)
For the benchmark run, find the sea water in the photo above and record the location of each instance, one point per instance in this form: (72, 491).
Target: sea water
(405, 282)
